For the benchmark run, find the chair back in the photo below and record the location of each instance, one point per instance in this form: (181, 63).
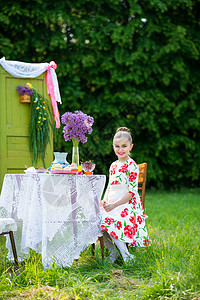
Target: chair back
(142, 181)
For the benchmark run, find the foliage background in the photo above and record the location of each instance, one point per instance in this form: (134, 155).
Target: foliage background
(131, 63)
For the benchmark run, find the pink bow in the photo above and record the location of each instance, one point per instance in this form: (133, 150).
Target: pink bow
(52, 64)
(50, 90)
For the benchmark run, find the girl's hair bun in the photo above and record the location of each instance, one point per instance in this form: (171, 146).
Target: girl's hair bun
(123, 129)
(123, 132)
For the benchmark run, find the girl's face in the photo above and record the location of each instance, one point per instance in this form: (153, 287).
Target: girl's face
(122, 147)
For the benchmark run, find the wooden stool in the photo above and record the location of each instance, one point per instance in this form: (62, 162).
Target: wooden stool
(7, 226)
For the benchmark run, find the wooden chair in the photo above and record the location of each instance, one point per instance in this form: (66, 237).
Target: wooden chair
(7, 226)
(142, 181)
(100, 239)
(141, 190)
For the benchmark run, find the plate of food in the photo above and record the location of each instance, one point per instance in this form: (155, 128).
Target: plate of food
(72, 169)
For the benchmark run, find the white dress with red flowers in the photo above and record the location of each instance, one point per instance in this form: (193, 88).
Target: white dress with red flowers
(127, 221)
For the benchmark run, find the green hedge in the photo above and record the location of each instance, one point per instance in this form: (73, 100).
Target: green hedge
(126, 63)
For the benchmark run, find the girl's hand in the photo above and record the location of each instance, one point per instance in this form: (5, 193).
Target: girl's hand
(109, 207)
(102, 203)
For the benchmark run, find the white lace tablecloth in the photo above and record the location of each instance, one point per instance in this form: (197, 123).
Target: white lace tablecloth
(57, 215)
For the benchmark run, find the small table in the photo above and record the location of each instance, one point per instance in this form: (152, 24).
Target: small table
(57, 215)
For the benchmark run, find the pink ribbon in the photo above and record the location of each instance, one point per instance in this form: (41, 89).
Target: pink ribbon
(50, 90)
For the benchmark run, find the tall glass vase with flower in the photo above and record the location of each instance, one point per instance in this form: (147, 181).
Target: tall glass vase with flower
(77, 125)
(75, 152)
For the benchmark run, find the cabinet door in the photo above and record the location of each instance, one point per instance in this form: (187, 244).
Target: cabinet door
(14, 125)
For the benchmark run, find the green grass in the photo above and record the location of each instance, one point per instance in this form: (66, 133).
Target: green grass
(169, 268)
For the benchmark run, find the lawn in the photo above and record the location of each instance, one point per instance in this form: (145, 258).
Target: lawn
(169, 268)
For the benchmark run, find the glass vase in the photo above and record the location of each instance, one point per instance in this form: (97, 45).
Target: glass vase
(75, 155)
(60, 158)
(75, 152)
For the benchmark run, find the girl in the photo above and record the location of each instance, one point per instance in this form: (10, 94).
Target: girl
(123, 219)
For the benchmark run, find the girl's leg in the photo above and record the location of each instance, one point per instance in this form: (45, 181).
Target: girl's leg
(124, 250)
(110, 246)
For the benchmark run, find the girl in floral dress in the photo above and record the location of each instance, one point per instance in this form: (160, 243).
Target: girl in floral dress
(123, 218)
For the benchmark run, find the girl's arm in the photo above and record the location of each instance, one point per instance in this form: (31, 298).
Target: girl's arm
(105, 198)
(123, 200)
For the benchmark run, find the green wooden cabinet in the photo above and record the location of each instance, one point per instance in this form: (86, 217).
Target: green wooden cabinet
(14, 125)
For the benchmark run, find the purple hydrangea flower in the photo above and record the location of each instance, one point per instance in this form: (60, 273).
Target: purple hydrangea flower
(77, 125)
(24, 89)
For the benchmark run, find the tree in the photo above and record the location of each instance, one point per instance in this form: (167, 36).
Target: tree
(126, 63)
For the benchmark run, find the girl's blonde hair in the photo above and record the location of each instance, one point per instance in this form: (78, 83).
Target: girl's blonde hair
(123, 132)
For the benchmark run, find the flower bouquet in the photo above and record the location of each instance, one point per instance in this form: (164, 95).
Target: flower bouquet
(41, 126)
(77, 125)
(41, 121)
(25, 91)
